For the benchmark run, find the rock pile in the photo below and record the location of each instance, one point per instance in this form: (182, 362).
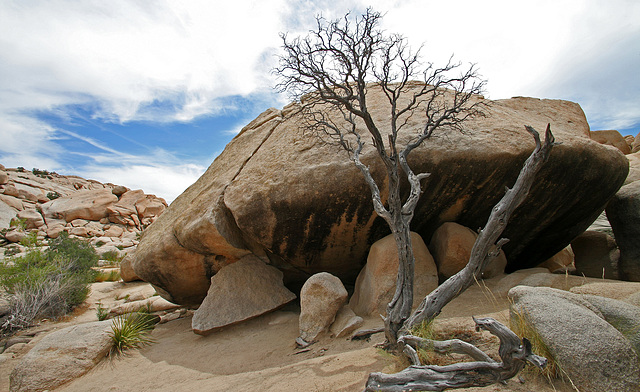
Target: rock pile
(49, 204)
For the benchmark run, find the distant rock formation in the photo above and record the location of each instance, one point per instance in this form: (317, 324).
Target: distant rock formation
(49, 203)
(302, 206)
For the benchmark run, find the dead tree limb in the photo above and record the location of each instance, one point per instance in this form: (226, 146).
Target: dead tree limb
(488, 243)
(513, 352)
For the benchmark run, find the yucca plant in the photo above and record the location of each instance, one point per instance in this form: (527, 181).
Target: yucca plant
(131, 331)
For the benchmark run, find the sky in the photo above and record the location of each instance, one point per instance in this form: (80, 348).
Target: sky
(147, 93)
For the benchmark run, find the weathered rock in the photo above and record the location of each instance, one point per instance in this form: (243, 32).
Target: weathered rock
(634, 168)
(114, 231)
(153, 304)
(54, 231)
(611, 138)
(62, 356)
(12, 202)
(126, 270)
(274, 192)
(635, 147)
(119, 190)
(32, 218)
(346, 322)
(88, 204)
(623, 291)
(6, 215)
(623, 212)
(4, 177)
(15, 235)
(79, 231)
(122, 211)
(592, 352)
(451, 246)
(596, 255)
(376, 282)
(320, 299)
(150, 206)
(561, 261)
(11, 190)
(238, 292)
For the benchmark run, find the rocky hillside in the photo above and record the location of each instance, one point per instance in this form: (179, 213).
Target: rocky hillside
(46, 203)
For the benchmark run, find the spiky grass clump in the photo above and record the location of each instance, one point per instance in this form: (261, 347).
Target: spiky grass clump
(522, 327)
(131, 331)
(101, 312)
(108, 276)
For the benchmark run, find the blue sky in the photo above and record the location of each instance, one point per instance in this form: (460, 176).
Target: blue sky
(147, 93)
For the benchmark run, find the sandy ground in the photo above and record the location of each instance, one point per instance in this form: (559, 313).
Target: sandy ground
(260, 355)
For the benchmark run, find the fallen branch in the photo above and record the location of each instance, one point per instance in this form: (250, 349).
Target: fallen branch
(513, 352)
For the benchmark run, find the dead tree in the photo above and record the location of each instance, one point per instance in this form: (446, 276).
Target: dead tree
(330, 72)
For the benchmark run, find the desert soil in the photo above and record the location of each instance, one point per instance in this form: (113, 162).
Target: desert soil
(260, 355)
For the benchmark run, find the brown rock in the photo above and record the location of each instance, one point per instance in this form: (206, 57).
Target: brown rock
(119, 190)
(634, 168)
(320, 299)
(126, 270)
(33, 218)
(4, 177)
(26, 195)
(275, 192)
(623, 291)
(238, 292)
(10, 190)
(561, 261)
(451, 246)
(596, 255)
(150, 206)
(611, 138)
(114, 231)
(79, 231)
(122, 211)
(54, 231)
(85, 204)
(376, 282)
(14, 235)
(13, 202)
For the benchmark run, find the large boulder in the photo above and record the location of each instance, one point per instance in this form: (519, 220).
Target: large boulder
(376, 283)
(62, 356)
(289, 198)
(240, 291)
(611, 138)
(593, 339)
(623, 212)
(86, 204)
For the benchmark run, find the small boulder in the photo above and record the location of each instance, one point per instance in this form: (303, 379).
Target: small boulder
(451, 246)
(560, 262)
(62, 356)
(12, 202)
(635, 147)
(346, 322)
(4, 177)
(14, 235)
(376, 282)
(582, 338)
(84, 204)
(118, 190)
(321, 297)
(596, 255)
(240, 291)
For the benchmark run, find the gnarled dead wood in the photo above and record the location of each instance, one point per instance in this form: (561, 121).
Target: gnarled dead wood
(513, 352)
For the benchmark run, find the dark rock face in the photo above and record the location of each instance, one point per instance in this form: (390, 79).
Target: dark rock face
(304, 207)
(623, 212)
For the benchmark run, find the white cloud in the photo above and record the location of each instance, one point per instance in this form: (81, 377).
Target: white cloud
(166, 181)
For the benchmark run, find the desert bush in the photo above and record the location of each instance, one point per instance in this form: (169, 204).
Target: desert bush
(101, 312)
(53, 195)
(131, 331)
(30, 239)
(47, 283)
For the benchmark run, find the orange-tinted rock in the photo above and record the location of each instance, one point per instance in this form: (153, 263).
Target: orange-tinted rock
(611, 138)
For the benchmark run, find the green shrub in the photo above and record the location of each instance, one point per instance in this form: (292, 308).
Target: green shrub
(30, 240)
(50, 283)
(20, 223)
(53, 195)
(131, 331)
(111, 256)
(100, 243)
(101, 312)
